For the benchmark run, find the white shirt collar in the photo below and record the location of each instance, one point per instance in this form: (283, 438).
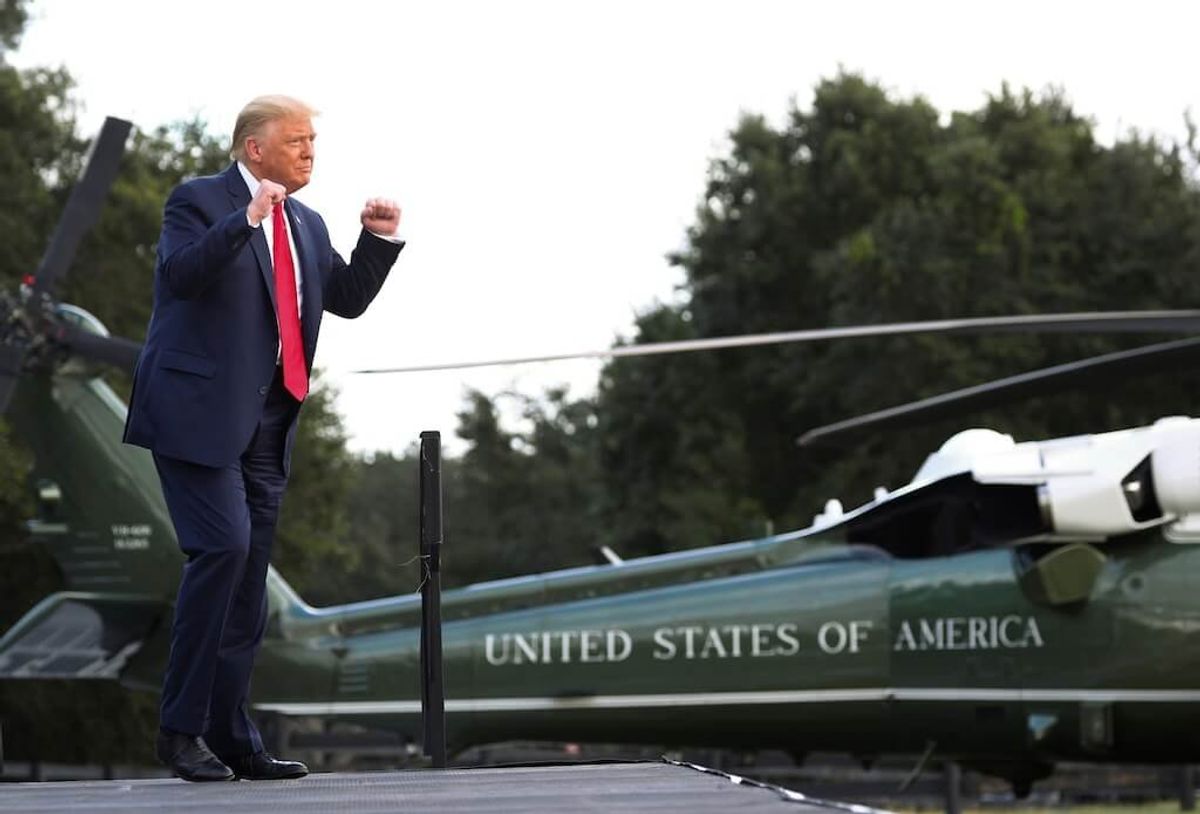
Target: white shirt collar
(247, 176)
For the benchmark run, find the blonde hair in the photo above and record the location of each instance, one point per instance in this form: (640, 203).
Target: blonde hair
(260, 112)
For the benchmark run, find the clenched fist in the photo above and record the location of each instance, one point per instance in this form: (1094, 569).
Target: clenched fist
(381, 216)
(269, 193)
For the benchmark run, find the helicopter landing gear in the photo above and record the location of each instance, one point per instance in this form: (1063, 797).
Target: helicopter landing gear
(1021, 775)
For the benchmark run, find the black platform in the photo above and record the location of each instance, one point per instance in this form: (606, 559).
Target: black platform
(650, 787)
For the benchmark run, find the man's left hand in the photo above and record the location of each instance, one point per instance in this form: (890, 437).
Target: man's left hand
(381, 216)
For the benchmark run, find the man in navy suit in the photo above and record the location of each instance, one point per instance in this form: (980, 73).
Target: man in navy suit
(243, 274)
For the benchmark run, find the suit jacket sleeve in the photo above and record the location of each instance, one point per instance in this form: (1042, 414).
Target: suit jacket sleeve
(350, 287)
(196, 249)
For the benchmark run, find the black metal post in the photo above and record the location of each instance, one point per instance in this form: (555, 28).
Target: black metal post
(953, 776)
(433, 697)
(1187, 788)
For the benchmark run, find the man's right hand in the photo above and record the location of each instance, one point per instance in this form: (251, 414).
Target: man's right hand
(269, 193)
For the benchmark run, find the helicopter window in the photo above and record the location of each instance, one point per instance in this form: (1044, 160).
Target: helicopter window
(951, 516)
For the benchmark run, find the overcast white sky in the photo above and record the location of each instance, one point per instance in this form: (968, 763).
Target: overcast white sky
(549, 154)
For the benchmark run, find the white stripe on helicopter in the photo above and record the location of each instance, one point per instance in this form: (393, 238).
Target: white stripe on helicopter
(735, 699)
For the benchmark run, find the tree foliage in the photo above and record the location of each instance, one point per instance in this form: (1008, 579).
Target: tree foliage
(672, 461)
(13, 16)
(522, 502)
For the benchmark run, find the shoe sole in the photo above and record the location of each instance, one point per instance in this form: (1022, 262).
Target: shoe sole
(206, 779)
(274, 777)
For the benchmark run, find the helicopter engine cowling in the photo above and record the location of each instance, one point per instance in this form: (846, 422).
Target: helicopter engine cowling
(1090, 486)
(1119, 482)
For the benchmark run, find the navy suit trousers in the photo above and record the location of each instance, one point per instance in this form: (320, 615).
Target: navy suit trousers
(225, 520)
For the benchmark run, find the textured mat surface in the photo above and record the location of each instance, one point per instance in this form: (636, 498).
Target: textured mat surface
(651, 787)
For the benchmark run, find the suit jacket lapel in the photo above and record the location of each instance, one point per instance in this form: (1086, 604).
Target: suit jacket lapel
(310, 278)
(240, 196)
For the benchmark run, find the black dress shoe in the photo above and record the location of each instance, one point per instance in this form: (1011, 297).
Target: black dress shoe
(189, 757)
(261, 766)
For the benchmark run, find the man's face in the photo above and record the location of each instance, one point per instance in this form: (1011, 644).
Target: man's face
(283, 152)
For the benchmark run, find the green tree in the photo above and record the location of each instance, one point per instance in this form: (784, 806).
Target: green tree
(672, 453)
(522, 502)
(383, 521)
(13, 16)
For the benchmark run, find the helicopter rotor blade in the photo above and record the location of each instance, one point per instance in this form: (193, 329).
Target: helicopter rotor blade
(83, 207)
(11, 359)
(1181, 321)
(112, 350)
(1082, 373)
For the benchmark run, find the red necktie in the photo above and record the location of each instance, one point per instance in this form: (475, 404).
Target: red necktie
(291, 346)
